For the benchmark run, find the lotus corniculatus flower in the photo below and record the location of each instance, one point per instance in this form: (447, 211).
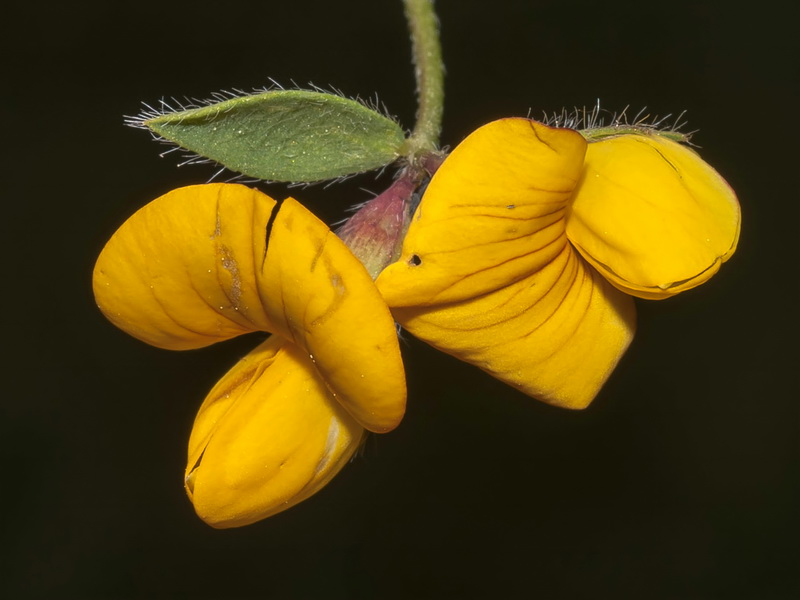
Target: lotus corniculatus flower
(524, 254)
(205, 263)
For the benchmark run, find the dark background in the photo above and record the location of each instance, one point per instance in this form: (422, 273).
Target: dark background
(680, 481)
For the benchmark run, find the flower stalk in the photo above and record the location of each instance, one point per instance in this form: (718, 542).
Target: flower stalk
(375, 232)
(429, 72)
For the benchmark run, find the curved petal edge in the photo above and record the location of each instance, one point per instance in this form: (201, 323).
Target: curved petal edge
(652, 216)
(268, 436)
(555, 335)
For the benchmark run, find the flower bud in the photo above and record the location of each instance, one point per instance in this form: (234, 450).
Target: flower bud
(375, 232)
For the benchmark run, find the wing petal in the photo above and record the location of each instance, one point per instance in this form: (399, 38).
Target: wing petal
(556, 334)
(268, 436)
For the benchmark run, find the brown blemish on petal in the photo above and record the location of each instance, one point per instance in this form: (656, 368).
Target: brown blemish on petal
(231, 266)
(339, 294)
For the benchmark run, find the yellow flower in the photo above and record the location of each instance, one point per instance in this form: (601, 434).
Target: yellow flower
(517, 253)
(207, 263)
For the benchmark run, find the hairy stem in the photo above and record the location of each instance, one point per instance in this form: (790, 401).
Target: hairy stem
(429, 71)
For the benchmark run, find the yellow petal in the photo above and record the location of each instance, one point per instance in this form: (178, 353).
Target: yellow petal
(206, 263)
(492, 213)
(268, 436)
(179, 273)
(651, 216)
(555, 335)
(324, 300)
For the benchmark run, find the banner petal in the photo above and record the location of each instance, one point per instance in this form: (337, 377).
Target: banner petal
(492, 213)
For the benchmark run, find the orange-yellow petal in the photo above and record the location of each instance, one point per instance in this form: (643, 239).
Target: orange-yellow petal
(487, 273)
(325, 301)
(492, 213)
(652, 216)
(180, 272)
(556, 334)
(268, 436)
(209, 262)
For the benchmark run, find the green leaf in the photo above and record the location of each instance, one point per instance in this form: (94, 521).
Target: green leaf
(291, 135)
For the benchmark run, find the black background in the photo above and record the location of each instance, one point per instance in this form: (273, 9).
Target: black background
(680, 481)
